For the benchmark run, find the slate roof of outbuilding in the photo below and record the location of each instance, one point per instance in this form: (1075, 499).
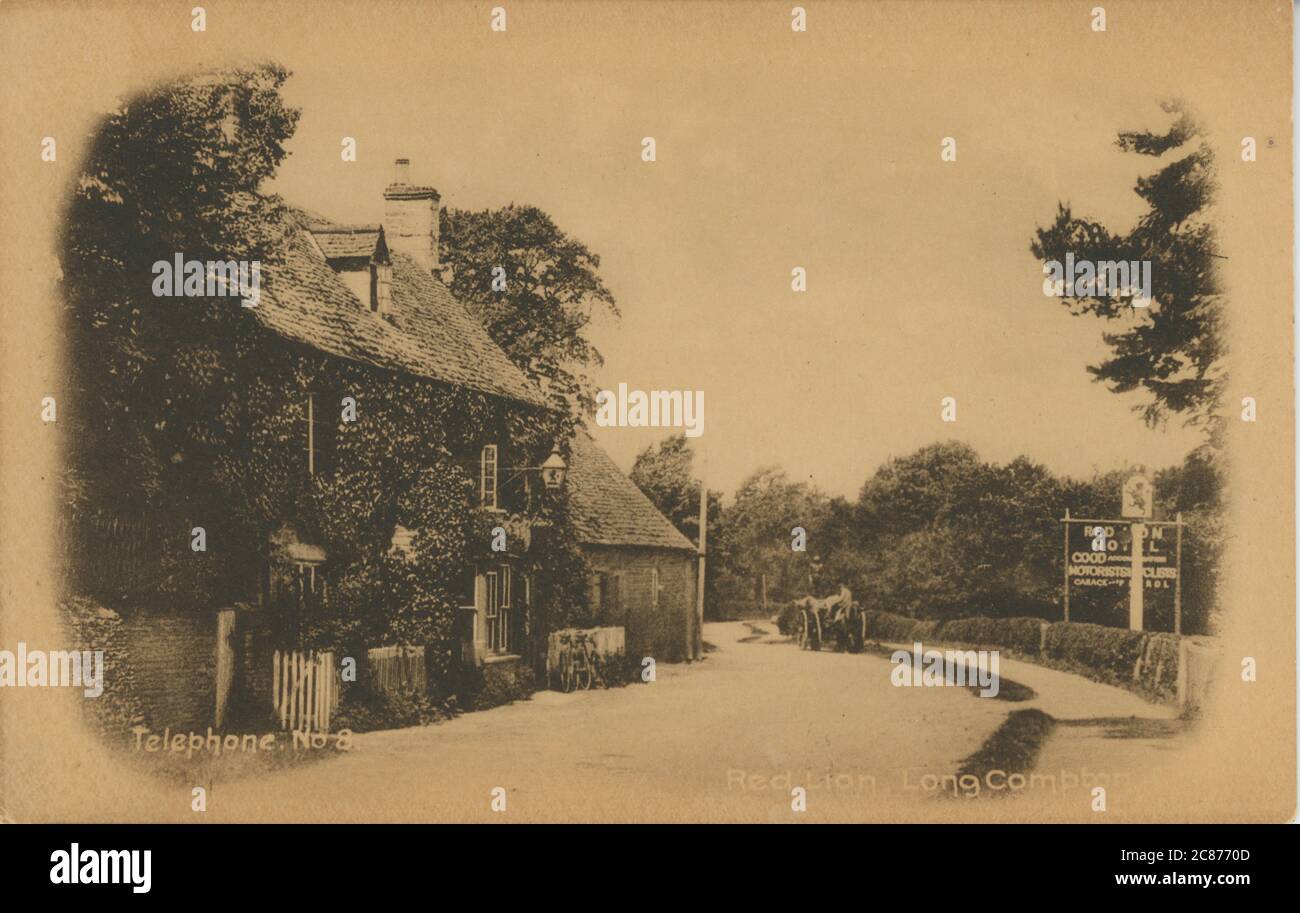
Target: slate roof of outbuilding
(607, 507)
(426, 332)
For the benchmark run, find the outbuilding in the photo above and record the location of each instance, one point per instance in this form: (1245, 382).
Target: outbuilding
(644, 569)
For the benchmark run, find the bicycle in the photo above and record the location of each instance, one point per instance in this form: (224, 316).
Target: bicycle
(580, 665)
(594, 661)
(566, 662)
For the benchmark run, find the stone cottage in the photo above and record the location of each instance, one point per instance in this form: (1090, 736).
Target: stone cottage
(644, 569)
(372, 294)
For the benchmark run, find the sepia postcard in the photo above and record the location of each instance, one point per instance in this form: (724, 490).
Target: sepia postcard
(661, 412)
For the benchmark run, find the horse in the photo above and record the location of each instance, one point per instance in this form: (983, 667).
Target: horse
(815, 614)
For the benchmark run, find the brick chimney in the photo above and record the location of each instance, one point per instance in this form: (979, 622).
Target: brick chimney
(411, 217)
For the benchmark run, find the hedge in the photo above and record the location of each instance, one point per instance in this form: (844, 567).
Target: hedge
(1142, 661)
(785, 619)
(888, 626)
(1021, 634)
(1110, 651)
(741, 609)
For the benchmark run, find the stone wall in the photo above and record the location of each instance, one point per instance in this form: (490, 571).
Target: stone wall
(172, 660)
(664, 632)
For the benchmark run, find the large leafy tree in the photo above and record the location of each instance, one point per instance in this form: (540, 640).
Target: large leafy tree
(152, 382)
(665, 473)
(551, 292)
(174, 170)
(1174, 348)
(758, 536)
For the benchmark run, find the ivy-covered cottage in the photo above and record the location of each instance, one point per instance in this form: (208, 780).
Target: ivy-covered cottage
(363, 473)
(422, 514)
(428, 509)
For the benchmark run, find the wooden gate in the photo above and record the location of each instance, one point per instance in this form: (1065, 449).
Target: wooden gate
(398, 669)
(304, 690)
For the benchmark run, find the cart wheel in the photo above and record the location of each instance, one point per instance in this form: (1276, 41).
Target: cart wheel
(801, 630)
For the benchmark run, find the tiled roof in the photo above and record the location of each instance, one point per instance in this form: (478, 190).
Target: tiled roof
(337, 241)
(426, 332)
(606, 506)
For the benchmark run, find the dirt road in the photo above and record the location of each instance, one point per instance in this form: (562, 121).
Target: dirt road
(727, 738)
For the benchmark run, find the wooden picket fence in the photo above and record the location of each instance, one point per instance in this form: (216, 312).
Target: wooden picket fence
(398, 669)
(304, 690)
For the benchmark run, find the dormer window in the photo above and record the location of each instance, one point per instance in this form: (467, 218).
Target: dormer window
(488, 477)
(381, 287)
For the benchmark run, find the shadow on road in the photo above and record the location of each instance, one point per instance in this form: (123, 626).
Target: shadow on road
(1130, 727)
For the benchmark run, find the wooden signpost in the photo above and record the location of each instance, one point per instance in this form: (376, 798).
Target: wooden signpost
(1137, 513)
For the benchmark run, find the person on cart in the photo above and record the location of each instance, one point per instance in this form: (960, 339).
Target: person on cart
(841, 606)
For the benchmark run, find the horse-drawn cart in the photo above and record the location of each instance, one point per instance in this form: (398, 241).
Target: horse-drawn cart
(836, 618)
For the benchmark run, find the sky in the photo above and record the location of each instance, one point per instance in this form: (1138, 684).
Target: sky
(776, 150)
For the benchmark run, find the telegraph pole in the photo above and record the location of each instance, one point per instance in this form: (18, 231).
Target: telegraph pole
(697, 644)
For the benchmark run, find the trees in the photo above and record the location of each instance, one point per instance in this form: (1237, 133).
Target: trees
(665, 474)
(175, 170)
(940, 533)
(949, 535)
(535, 289)
(757, 538)
(1174, 348)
